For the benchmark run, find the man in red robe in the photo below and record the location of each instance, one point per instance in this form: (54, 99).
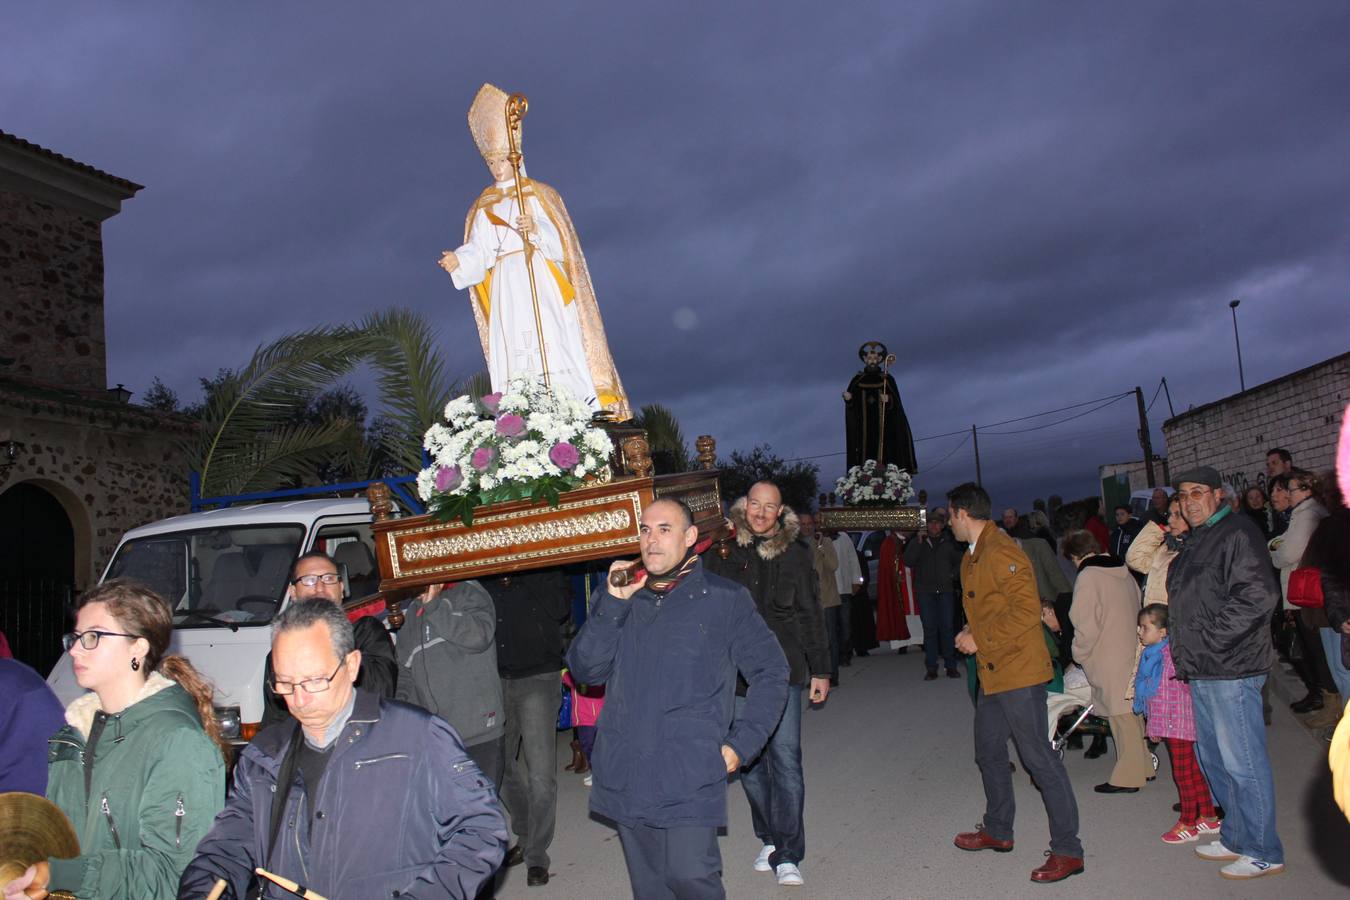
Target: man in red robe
(895, 599)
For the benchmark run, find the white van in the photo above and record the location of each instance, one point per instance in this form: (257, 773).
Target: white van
(224, 573)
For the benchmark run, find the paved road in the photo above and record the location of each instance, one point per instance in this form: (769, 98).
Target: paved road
(890, 778)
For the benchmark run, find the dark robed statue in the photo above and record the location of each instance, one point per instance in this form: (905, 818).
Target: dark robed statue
(875, 426)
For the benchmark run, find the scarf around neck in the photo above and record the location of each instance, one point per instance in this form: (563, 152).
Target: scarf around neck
(660, 585)
(1149, 679)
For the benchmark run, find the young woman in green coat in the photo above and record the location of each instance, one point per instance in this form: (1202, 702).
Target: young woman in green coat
(139, 768)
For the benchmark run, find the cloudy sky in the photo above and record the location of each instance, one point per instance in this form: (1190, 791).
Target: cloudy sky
(1033, 204)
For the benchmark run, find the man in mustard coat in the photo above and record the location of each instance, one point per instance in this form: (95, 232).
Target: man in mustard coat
(1003, 609)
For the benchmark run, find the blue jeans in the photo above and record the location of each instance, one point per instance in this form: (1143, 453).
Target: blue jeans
(1331, 643)
(775, 787)
(937, 609)
(1230, 740)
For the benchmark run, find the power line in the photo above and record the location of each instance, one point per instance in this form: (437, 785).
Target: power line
(1155, 397)
(1065, 419)
(1104, 401)
(928, 470)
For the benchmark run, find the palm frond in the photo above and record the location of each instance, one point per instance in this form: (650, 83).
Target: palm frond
(287, 453)
(411, 377)
(254, 405)
(664, 437)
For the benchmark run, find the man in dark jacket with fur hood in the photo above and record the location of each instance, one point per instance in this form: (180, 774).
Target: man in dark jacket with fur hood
(771, 560)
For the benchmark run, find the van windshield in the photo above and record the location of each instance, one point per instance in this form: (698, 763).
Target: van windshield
(214, 577)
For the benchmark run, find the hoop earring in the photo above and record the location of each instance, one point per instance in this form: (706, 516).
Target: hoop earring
(135, 665)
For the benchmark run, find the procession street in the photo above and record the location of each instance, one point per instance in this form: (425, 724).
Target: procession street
(891, 778)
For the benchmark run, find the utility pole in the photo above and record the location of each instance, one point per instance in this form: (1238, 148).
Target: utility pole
(975, 436)
(1242, 379)
(1145, 440)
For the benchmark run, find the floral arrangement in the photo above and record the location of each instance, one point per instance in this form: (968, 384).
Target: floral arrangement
(529, 443)
(872, 485)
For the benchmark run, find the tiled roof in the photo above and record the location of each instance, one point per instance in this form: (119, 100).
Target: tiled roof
(19, 142)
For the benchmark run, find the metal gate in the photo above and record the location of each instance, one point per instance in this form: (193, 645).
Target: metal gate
(34, 613)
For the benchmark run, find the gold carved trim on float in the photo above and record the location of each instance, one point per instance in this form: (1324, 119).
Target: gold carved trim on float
(498, 538)
(873, 518)
(515, 535)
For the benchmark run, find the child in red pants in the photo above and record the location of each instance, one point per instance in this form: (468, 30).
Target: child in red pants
(1170, 718)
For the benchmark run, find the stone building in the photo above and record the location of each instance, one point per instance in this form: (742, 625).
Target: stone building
(1300, 412)
(79, 464)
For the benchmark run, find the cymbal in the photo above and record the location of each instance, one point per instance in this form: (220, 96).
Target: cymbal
(32, 828)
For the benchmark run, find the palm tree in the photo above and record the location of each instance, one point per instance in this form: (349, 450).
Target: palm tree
(249, 439)
(252, 439)
(664, 437)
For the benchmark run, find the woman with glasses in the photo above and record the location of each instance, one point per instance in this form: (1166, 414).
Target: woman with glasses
(139, 767)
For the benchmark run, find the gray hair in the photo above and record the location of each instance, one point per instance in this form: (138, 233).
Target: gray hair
(304, 613)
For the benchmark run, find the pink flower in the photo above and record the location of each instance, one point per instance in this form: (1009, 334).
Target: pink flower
(510, 425)
(490, 401)
(482, 458)
(564, 455)
(448, 478)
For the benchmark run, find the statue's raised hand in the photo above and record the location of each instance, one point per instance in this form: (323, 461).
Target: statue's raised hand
(448, 261)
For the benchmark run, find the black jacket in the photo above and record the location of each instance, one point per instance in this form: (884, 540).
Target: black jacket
(531, 607)
(936, 563)
(379, 669)
(1122, 536)
(1222, 594)
(780, 574)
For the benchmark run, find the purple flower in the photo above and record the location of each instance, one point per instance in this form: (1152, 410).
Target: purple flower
(482, 458)
(510, 425)
(490, 401)
(564, 455)
(448, 478)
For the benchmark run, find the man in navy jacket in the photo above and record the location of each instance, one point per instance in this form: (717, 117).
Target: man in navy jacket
(667, 647)
(356, 796)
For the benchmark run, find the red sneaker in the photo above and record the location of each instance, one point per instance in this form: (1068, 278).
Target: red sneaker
(1181, 833)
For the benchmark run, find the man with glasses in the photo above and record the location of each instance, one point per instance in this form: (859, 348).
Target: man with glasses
(364, 797)
(1223, 591)
(315, 577)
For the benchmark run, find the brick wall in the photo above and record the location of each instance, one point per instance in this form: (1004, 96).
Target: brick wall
(51, 294)
(1301, 412)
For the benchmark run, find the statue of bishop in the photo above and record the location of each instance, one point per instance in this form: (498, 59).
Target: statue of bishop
(566, 328)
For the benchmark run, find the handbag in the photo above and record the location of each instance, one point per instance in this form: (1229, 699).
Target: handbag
(565, 709)
(1305, 587)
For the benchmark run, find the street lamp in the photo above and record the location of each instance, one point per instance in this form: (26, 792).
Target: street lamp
(1233, 305)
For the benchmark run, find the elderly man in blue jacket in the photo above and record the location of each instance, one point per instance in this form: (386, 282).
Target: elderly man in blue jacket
(355, 797)
(667, 646)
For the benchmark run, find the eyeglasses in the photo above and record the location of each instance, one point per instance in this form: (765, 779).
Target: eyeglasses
(1194, 493)
(89, 639)
(311, 685)
(311, 580)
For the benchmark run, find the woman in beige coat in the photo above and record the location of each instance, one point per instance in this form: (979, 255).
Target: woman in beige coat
(1105, 615)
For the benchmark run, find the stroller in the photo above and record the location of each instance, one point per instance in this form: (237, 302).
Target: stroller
(1077, 695)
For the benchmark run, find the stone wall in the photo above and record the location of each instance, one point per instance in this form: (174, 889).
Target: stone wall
(51, 294)
(1300, 412)
(112, 466)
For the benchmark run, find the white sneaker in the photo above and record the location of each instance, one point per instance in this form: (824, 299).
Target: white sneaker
(587, 780)
(1215, 851)
(1245, 867)
(762, 861)
(791, 876)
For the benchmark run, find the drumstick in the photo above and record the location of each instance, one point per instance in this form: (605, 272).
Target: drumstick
(219, 889)
(294, 887)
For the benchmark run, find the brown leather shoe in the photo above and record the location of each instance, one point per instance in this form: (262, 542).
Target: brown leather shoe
(1057, 868)
(979, 839)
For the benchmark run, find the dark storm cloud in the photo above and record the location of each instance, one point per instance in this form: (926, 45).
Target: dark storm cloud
(1032, 204)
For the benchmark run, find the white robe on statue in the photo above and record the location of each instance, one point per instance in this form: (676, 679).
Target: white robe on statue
(513, 346)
